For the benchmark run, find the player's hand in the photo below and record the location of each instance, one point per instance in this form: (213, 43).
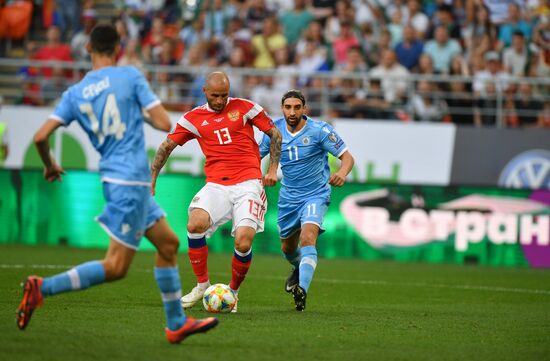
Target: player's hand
(337, 180)
(53, 173)
(270, 180)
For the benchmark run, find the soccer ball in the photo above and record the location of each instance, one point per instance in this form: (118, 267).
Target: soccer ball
(219, 298)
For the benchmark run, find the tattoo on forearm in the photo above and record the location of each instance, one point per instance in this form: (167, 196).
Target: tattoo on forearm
(275, 147)
(162, 155)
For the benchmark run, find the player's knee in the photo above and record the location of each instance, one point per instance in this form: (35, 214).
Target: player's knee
(243, 244)
(197, 226)
(114, 270)
(308, 239)
(288, 248)
(169, 247)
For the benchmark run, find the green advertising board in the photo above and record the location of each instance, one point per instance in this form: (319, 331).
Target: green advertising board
(483, 225)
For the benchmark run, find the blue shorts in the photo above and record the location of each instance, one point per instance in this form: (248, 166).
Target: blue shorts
(293, 215)
(129, 212)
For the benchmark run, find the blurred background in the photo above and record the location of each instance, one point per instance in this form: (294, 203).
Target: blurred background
(444, 103)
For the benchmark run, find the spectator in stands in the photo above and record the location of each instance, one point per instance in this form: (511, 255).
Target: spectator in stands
(409, 50)
(370, 104)
(426, 106)
(122, 31)
(513, 23)
(485, 106)
(460, 102)
(267, 94)
(444, 17)
(527, 109)
(396, 29)
(81, 38)
(442, 49)
(416, 18)
(151, 45)
(285, 67)
(499, 9)
(367, 12)
(314, 33)
(236, 35)
(68, 17)
(343, 97)
(394, 76)
(256, 14)
(131, 55)
(541, 37)
(265, 44)
(343, 43)
(322, 9)
(425, 65)
(355, 63)
(295, 21)
(195, 33)
(311, 60)
(480, 35)
(215, 18)
(459, 66)
(53, 50)
(343, 11)
(515, 58)
(491, 74)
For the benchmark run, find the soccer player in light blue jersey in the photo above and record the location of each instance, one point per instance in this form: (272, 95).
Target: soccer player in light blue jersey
(108, 105)
(305, 187)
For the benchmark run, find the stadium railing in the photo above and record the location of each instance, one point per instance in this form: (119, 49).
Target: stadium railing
(329, 94)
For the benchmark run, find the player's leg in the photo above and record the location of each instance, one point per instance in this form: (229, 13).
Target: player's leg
(209, 208)
(288, 221)
(249, 207)
(124, 221)
(292, 254)
(313, 212)
(113, 267)
(167, 277)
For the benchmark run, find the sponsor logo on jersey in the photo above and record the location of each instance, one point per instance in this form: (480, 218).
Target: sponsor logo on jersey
(234, 115)
(306, 140)
(333, 137)
(204, 123)
(529, 169)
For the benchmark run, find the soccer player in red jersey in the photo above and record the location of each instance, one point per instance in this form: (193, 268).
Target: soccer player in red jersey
(233, 190)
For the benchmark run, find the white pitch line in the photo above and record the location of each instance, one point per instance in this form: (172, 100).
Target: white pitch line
(331, 281)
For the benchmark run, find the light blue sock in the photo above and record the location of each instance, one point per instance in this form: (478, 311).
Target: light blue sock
(168, 280)
(79, 278)
(293, 258)
(307, 266)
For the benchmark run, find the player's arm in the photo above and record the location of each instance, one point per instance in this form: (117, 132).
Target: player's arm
(161, 156)
(52, 170)
(270, 178)
(338, 178)
(158, 117)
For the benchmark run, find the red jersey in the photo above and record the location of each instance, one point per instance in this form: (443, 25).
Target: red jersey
(226, 139)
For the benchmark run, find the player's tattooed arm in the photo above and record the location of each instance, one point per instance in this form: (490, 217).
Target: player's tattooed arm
(164, 151)
(274, 156)
(52, 171)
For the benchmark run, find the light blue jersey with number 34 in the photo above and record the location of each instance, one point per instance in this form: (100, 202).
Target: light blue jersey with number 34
(108, 104)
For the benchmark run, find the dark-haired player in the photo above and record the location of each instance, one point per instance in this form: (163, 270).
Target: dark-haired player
(108, 105)
(305, 187)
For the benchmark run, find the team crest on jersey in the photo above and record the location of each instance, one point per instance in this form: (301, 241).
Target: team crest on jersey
(234, 115)
(305, 140)
(333, 137)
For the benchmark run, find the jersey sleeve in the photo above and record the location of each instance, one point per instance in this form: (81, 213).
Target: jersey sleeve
(181, 134)
(331, 141)
(64, 111)
(146, 98)
(257, 116)
(264, 145)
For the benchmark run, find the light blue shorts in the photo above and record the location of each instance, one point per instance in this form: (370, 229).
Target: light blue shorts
(129, 212)
(293, 215)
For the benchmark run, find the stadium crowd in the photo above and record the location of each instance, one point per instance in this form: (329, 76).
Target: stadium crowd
(376, 52)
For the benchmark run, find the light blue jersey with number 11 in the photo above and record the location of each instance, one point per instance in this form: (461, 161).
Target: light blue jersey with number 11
(108, 104)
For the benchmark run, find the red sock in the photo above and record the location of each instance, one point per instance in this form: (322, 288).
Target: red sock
(199, 261)
(239, 271)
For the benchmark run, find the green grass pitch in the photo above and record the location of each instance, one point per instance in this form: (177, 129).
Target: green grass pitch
(356, 310)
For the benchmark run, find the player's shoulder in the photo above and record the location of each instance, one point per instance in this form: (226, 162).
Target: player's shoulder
(318, 125)
(241, 102)
(195, 113)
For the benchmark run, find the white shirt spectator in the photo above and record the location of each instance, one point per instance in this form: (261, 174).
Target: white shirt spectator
(394, 80)
(498, 9)
(515, 62)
